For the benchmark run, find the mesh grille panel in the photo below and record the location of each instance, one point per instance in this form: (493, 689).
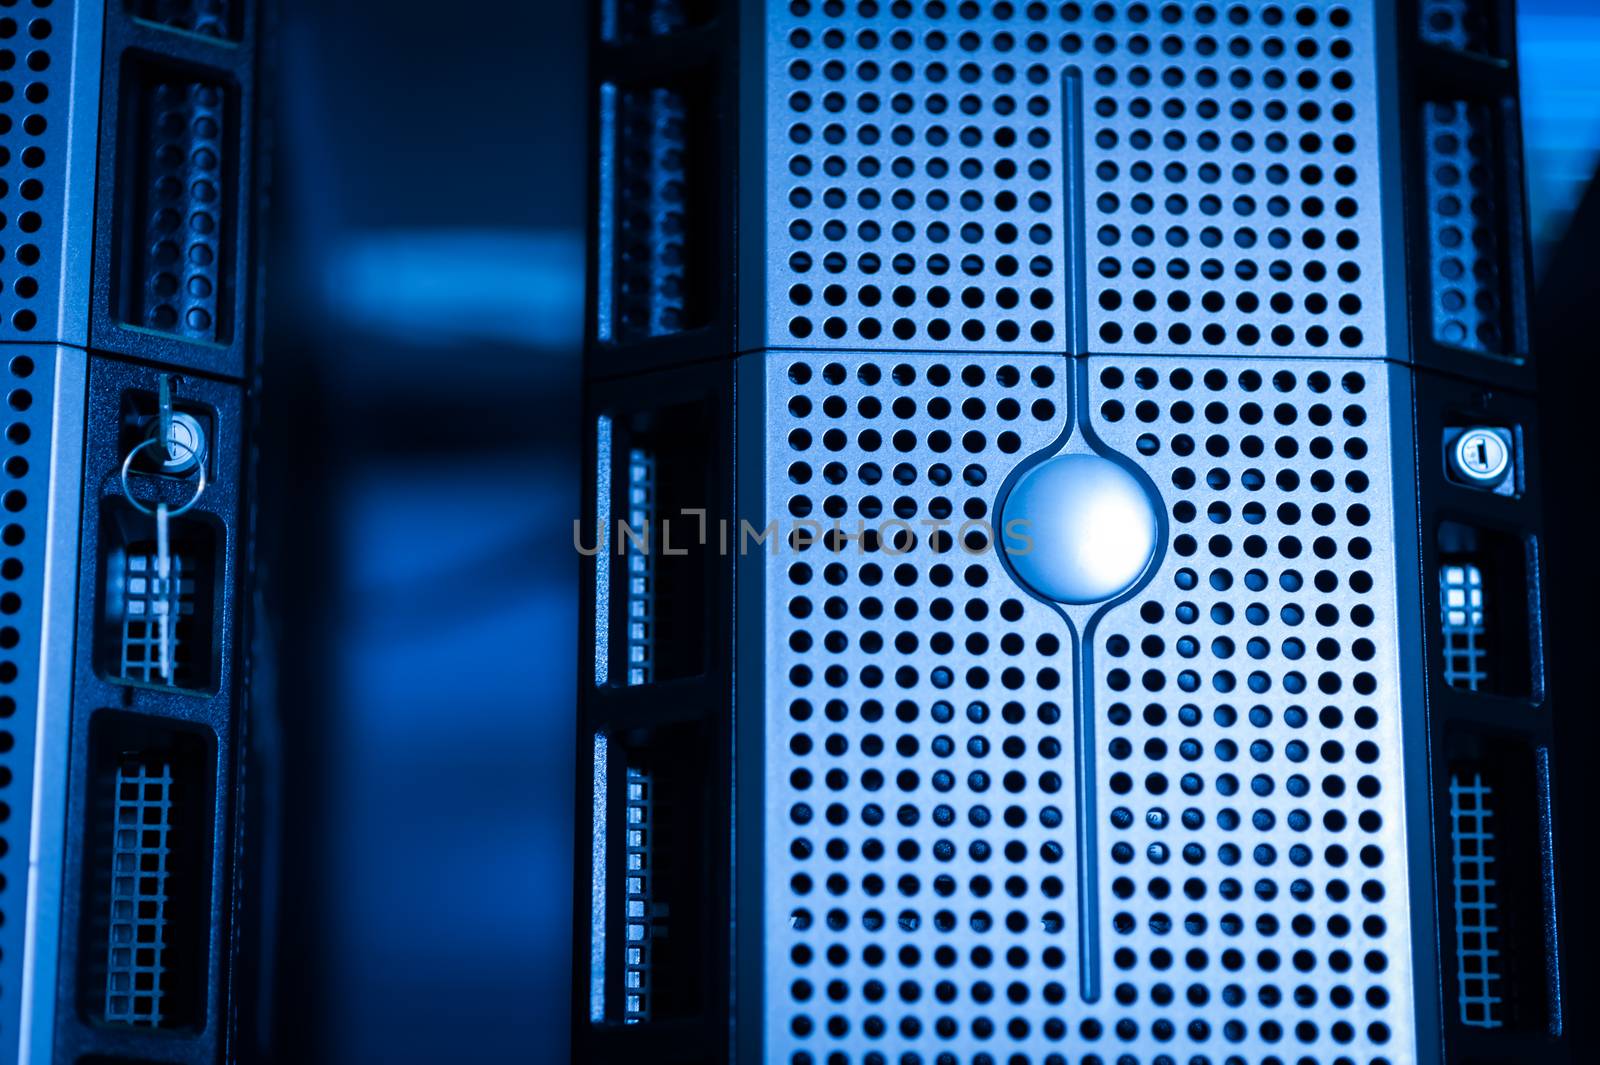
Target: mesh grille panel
(917, 191)
(1249, 872)
(136, 956)
(151, 604)
(1478, 963)
(1462, 625)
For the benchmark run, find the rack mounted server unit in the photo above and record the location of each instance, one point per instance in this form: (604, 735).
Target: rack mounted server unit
(128, 346)
(1063, 526)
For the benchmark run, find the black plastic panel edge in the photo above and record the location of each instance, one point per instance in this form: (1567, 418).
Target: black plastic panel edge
(132, 45)
(1447, 382)
(1517, 725)
(215, 714)
(1455, 387)
(1434, 72)
(704, 60)
(1563, 323)
(698, 703)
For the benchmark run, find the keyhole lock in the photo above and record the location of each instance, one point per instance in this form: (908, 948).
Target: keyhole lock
(185, 445)
(1481, 456)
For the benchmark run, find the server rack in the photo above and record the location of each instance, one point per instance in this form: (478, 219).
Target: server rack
(130, 193)
(859, 795)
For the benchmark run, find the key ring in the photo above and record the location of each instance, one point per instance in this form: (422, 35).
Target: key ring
(127, 468)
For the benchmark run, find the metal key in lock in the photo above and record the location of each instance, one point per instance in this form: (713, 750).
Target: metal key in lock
(166, 602)
(182, 437)
(181, 448)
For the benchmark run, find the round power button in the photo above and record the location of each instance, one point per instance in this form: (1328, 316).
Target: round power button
(1086, 529)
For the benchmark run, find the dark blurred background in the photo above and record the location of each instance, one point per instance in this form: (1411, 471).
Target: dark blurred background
(420, 465)
(425, 293)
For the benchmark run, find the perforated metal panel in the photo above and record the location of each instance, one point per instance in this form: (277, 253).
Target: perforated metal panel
(1248, 872)
(27, 373)
(38, 239)
(914, 183)
(918, 718)
(922, 184)
(1250, 790)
